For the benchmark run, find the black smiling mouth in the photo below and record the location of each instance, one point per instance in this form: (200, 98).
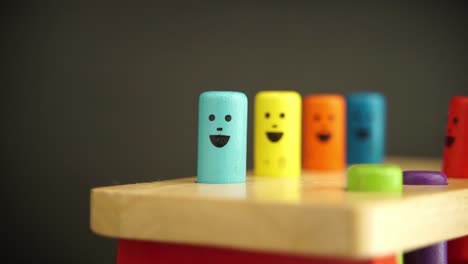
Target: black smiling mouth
(362, 133)
(274, 136)
(219, 141)
(324, 137)
(449, 141)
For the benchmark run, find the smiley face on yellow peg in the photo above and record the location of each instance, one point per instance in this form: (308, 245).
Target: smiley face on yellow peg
(277, 134)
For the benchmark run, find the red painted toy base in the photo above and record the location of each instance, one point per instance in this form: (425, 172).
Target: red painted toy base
(142, 252)
(458, 250)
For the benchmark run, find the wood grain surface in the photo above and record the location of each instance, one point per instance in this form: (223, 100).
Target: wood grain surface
(312, 215)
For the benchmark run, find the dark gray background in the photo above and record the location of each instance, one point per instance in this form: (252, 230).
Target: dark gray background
(107, 94)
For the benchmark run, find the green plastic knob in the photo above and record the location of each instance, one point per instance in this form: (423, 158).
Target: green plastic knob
(375, 178)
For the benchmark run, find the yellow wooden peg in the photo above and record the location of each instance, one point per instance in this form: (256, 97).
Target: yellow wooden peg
(277, 134)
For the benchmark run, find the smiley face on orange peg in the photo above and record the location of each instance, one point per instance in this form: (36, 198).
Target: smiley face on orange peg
(455, 163)
(324, 132)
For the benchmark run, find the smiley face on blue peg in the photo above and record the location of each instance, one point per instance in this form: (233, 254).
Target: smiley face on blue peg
(366, 119)
(222, 137)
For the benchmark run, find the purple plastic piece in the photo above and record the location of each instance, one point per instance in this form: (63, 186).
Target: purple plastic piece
(424, 178)
(435, 254)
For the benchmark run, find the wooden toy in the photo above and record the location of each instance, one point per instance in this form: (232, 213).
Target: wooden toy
(437, 253)
(455, 162)
(277, 134)
(386, 178)
(285, 189)
(413, 177)
(313, 221)
(222, 137)
(457, 250)
(375, 178)
(141, 252)
(434, 254)
(324, 131)
(365, 135)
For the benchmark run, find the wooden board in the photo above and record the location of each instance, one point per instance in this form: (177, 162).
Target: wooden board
(309, 216)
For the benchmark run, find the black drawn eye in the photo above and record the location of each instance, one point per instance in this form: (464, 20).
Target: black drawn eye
(267, 115)
(455, 120)
(282, 115)
(211, 117)
(227, 118)
(317, 117)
